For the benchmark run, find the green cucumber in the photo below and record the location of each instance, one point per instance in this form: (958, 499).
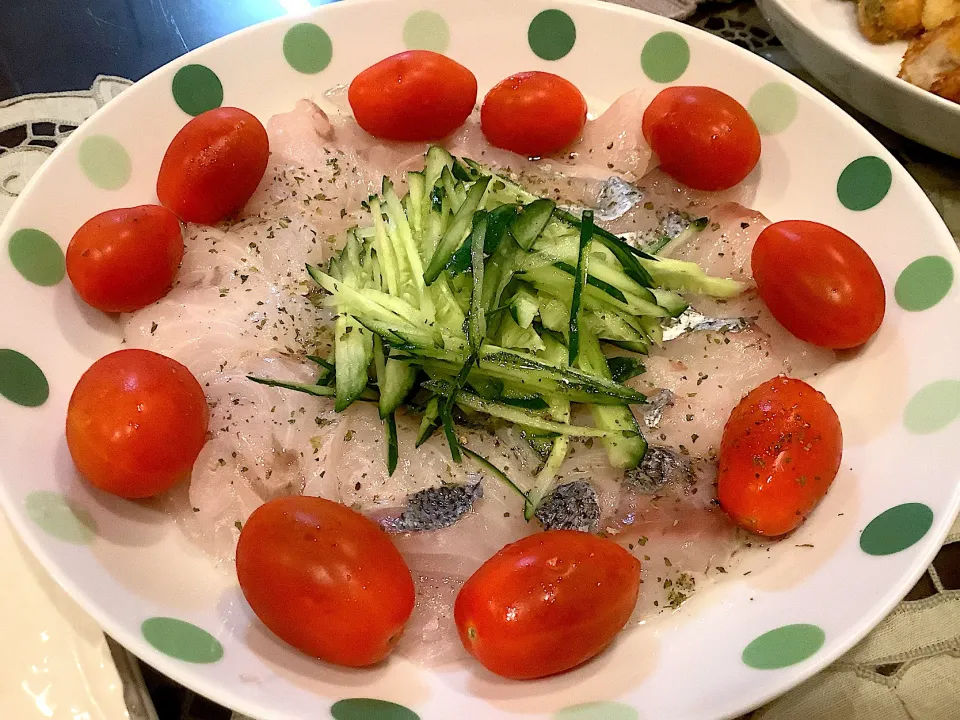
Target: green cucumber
(586, 233)
(429, 422)
(683, 276)
(511, 414)
(670, 301)
(524, 305)
(495, 471)
(354, 351)
(514, 336)
(624, 442)
(368, 395)
(477, 321)
(457, 230)
(437, 159)
(529, 222)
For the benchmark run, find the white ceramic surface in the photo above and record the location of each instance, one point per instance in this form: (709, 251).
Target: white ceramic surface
(823, 35)
(127, 563)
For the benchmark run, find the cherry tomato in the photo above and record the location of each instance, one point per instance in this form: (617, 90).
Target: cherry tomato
(136, 423)
(533, 114)
(818, 283)
(213, 165)
(123, 260)
(325, 579)
(703, 137)
(780, 452)
(547, 603)
(414, 95)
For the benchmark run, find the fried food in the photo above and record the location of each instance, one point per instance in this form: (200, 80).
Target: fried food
(932, 61)
(937, 12)
(885, 20)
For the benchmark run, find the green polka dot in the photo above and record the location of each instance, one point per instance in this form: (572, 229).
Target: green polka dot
(896, 529)
(21, 381)
(924, 283)
(426, 30)
(307, 48)
(105, 162)
(370, 709)
(181, 640)
(864, 183)
(61, 518)
(933, 407)
(665, 57)
(37, 256)
(783, 646)
(196, 88)
(552, 34)
(773, 107)
(598, 711)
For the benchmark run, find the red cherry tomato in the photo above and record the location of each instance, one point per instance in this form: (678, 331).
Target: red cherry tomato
(547, 603)
(213, 165)
(703, 137)
(136, 423)
(533, 114)
(123, 260)
(414, 95)
(818, 283)
(780, 452)
(325, 579)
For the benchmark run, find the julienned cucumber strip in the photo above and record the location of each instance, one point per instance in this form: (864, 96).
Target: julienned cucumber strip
(477, 323)
(509, 413)
(586, 233)
(354, 351)
(429, 421)
(393, 446)
(593, 280)
(684, 276)
(556, 352)
(368, 394)
(496, 472)
(527, 224)
(457, 231)
(446, 407)
(624, 442)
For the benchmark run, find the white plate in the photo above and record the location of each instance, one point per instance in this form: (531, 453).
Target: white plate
(128, 564)
(823, 35)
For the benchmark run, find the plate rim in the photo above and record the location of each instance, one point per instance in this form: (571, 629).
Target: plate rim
(894, 82)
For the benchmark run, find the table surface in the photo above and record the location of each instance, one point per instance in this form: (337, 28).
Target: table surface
(63, 45)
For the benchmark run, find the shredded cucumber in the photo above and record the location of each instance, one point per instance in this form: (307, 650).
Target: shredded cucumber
(471, 294)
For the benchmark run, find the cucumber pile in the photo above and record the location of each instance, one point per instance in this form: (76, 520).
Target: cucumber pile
(470, 293)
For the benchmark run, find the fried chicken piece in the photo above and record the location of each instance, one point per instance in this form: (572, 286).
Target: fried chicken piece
(932, 61)
(937, 12)
(885, 20)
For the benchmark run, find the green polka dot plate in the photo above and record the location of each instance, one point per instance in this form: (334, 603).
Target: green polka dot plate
(728, 649)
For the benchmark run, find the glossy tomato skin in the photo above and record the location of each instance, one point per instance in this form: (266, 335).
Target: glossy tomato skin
(703, 137)
(123, 260)
(533, 114)
(135, 423)
(818, 283)
(213, 165)
(417, 95)
(325, 579)
(780, 452)
(547, 603)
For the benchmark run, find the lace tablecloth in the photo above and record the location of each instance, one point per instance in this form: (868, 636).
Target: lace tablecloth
(908, 668)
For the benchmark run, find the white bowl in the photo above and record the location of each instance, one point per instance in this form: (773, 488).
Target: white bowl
(128, 564)
(823, 35)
